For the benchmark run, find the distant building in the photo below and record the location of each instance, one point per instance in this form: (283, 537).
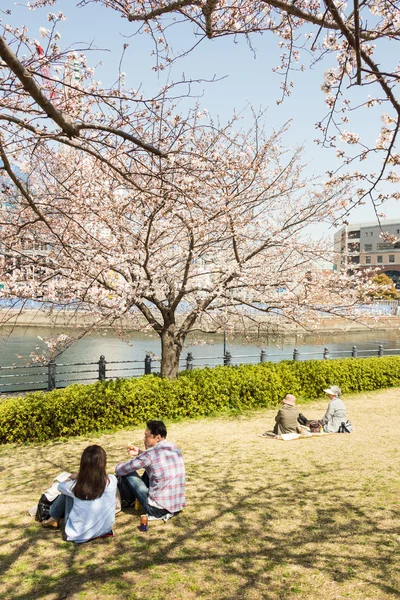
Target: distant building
(28, 253)
(361, 246)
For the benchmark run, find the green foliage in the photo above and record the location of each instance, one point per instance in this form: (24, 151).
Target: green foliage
(384, 288)
(82, 409)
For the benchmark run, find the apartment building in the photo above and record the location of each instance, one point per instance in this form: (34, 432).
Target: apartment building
(361, 246)
(28, 254)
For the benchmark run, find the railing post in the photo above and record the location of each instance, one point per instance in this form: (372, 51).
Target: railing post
(227, 358)
(354, 352)
(380, 350)
(147, 364)
(325, 354)
(102, 368)
(263, 356)
(296, 354)
(189, 361)
(51, 375)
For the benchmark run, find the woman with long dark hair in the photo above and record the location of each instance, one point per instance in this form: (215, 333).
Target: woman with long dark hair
(87, 501)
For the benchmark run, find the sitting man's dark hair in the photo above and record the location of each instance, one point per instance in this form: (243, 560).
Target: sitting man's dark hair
(157, 428)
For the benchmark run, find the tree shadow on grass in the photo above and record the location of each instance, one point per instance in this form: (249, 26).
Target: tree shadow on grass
(40, 465)
(236, 540)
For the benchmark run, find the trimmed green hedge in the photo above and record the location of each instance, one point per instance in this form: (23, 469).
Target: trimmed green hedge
(82, 409)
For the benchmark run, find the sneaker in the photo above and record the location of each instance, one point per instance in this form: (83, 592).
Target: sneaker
(164, 518)
(170, 515)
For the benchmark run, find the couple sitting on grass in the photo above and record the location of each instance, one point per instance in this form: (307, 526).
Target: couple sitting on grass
(288, 418)
(87, 498)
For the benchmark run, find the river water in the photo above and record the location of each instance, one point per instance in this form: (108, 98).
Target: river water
(17, 345)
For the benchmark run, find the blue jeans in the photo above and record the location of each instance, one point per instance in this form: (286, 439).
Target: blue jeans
(141, 491)
(61, 507)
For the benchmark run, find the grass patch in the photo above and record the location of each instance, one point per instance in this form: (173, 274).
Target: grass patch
(265, 519)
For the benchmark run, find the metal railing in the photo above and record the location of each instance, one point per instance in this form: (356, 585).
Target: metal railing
(58, 375)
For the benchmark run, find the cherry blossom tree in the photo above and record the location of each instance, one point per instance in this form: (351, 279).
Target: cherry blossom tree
(211, 236)
(117, 204)
(49, 96)
(356, 40)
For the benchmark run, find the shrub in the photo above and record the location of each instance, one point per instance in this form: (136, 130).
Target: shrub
(82, 409)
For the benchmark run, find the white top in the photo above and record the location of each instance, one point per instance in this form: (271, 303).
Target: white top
(335, 415)
(52, 493)
(90, 518)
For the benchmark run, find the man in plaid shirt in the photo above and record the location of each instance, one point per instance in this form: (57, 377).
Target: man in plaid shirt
(161, 490)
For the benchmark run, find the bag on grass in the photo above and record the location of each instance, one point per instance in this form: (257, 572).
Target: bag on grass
(315, 426)
(43, 509)
(345, 427)
(302, 419)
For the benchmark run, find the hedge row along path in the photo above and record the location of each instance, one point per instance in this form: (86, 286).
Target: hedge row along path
(82, 409)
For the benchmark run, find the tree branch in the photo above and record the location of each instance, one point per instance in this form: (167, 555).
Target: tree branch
(357, 40)
(123, 135)
(30, 85)
(64, 121)
(157, 12)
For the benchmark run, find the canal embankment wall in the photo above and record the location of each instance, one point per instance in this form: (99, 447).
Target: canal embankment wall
(324, 324)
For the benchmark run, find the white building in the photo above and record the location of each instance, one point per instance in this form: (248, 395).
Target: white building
(360, 245)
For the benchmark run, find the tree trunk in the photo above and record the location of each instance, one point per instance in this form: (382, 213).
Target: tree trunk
(170, 352)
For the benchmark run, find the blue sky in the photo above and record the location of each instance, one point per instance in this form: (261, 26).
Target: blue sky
(248, 78)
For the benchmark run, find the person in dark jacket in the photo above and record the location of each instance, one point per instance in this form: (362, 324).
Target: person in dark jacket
(286, 419)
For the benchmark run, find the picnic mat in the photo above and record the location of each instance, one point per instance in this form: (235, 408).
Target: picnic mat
(288, 437)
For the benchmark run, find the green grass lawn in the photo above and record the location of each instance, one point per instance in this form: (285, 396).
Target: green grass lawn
(266, 519)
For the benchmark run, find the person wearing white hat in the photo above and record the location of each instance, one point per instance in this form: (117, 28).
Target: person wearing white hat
(335, 413)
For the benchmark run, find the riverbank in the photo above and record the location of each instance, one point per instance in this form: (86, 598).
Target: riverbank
(261, 327)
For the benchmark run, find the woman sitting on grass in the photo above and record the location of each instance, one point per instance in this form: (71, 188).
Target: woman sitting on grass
(286, 419)
(335, 413)
(87, 499)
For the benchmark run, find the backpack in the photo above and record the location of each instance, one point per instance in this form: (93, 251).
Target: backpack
(345, 427)
(43, 509)
(302, 419)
